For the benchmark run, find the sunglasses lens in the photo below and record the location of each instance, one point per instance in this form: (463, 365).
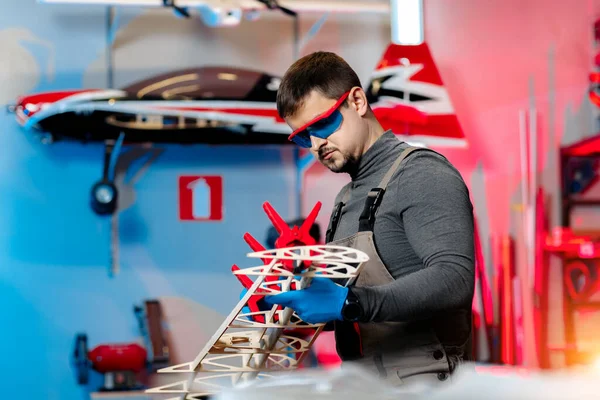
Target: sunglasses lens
(326, 126)
(322, 128)
(302, 139)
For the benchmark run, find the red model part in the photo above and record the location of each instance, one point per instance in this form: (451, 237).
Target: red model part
(589, 288)
(288, 237)
(296, 236)
(506, 271)
(33, 103)
(433, 118)
(595, 76)
(540, 287)
(586, 147)
(579, 250)
(406, 114)
(564, 241)
(118, 357)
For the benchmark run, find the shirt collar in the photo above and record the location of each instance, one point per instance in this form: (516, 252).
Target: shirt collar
(378, 156)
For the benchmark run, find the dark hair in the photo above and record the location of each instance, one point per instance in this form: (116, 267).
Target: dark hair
(325, 72)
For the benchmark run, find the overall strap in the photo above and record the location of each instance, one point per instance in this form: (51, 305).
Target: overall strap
(337, 214)
(366, 221)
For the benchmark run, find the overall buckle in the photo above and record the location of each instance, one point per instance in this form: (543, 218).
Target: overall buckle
(376, 194)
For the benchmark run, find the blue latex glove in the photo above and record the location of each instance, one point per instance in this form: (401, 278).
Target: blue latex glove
(245, 309)
(321, 302)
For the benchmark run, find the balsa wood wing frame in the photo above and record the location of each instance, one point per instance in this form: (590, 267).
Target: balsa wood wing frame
(242, 348)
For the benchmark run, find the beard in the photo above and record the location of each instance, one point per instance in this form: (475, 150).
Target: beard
(339, 161)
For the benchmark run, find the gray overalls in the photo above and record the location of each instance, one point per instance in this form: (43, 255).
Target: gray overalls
(399, 352)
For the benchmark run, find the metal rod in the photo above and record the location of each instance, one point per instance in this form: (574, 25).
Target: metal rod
(110, 20)
(524, 152)
(297, 163)
(114, 245)
(299, 182)
(313, 31)
(533, 147)
(296, 28)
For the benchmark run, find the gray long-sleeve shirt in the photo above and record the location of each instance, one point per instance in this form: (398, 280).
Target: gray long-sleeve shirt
(423, 233)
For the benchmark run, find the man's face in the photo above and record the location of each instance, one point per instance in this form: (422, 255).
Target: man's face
(342, 149)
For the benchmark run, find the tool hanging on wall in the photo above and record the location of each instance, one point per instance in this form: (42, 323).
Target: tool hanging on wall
(124, 193)
(121, 364)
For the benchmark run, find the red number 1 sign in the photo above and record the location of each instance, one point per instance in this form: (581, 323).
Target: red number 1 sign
(200, 198)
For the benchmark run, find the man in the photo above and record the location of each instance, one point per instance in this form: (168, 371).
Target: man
(409, 312)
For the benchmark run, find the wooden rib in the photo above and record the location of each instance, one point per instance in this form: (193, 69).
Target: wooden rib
(243, 349)
(334, 270)
(316, 254)
(169, 388)
(185, 367)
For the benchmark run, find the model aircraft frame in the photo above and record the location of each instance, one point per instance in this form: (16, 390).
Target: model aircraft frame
(244, 349)
(226, 105)
(256, 343)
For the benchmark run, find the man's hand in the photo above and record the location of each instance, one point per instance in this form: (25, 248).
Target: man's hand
(321, 302)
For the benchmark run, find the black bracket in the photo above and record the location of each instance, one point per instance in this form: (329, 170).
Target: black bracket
(171, 4)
